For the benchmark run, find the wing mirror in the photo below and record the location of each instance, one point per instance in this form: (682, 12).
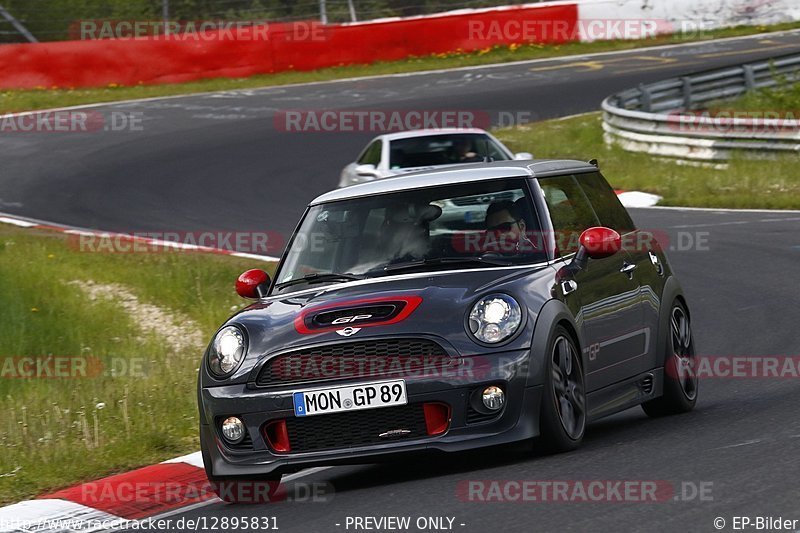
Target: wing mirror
(523, 156)
(253, 284)
(367, 171)
(597, 243)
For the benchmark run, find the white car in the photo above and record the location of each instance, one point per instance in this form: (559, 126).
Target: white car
(397, 153)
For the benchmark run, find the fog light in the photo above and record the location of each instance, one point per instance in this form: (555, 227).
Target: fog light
(493, 398)
(233, 430)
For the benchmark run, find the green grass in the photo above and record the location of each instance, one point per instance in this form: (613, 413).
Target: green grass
(784, 97)
(57, 432)
(50, 97)
(744, 184)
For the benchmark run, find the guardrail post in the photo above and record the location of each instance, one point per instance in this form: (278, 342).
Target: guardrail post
(646, 98)
(749, 77)
(687, 92)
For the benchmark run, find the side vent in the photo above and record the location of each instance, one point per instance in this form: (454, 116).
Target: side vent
(647, 384)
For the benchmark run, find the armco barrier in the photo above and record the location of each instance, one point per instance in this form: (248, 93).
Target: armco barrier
(94, 63)
(657, 118)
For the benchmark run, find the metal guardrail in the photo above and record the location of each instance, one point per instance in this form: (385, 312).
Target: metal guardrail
(662, 118)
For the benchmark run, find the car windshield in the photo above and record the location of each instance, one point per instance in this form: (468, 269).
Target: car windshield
(472, 225)
(449, 149)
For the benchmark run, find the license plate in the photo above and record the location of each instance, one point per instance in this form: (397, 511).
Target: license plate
(350, 398)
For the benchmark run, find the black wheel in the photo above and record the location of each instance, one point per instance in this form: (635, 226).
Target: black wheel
(246, 490)
(563, 413)
(680, 379)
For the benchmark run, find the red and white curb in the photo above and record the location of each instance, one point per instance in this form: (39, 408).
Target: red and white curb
(109, 502)
(638, 199)
(30, 223)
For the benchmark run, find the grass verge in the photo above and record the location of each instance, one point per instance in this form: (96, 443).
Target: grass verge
(773, 184)
(126, 395)
(783, 98)
(44, 98)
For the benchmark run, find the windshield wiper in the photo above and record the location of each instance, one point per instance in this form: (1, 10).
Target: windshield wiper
(446, 261)
(316, 277)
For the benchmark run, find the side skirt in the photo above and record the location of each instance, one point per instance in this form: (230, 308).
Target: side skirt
(625, 394)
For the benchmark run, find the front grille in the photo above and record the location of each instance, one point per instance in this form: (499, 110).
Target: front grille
(355, 428)
(352, 360)
(475, 417)
(246, 444)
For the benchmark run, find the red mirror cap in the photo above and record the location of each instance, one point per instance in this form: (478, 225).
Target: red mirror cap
(248, 283)
(601, 242)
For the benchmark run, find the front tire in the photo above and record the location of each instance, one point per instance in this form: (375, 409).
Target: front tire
(563, 412)
(680, 379)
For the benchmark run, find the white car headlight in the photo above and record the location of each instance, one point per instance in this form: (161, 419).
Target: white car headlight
(495, 318)
(227, 351)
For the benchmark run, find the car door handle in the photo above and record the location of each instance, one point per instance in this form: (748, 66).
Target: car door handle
(628, 268)
(568, 286)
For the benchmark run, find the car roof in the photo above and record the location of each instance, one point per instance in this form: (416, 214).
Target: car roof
(471, 172)
(428, 132)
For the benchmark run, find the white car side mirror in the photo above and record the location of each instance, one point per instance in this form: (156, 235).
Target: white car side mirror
(367, 170)
(523, 156)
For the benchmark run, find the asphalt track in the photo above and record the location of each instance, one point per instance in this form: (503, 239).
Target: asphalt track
(217, 162)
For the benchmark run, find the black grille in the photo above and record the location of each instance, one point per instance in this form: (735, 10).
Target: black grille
(474, 417)
(352, 360)
(246, 444)
(355, 428)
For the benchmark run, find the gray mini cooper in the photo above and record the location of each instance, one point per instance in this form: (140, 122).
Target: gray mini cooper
(446, 310)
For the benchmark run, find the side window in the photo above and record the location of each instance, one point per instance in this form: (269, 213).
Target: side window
(605, 203)
(569, 209)
(372, 155)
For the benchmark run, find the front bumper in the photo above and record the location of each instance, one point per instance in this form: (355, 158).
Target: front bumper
(516, 421)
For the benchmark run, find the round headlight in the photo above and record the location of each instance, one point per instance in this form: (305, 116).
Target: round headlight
(227, 351)
(495, 318)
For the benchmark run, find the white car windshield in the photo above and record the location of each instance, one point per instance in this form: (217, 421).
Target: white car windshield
(445, 149)
(480, 224)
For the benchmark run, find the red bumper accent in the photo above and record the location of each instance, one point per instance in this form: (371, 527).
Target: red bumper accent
(277, 436)
(437, 418)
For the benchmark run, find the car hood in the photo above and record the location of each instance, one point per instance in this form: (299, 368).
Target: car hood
(441, 301)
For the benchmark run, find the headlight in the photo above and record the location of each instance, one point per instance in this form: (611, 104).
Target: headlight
(495, 318)
(227, 351)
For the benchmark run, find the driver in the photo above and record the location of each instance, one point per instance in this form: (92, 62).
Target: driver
(506, 224)
(464, 151)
